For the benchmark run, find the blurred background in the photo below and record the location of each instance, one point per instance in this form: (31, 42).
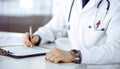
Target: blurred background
(18, 15)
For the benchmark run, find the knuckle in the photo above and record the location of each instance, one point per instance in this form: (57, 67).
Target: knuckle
(54, 49)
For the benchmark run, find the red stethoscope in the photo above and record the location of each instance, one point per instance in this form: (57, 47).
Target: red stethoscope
(98, 23)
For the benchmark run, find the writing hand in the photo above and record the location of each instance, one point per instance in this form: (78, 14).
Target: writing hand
(30, 42)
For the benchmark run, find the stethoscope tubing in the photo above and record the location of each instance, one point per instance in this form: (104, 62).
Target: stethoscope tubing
(107, 9)
(71, 10)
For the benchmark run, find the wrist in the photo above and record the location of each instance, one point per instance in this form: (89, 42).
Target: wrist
(77, 55)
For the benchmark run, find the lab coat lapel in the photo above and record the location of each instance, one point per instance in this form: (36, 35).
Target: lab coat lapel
(90, 4)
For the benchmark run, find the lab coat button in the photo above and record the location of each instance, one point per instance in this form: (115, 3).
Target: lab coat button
(102, 29)
(90, 26)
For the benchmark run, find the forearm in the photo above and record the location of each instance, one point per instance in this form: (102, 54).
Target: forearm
(44, 35)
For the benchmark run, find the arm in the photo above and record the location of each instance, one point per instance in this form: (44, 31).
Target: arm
(55, 28)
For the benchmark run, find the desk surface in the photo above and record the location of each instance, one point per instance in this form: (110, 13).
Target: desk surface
(39, 62)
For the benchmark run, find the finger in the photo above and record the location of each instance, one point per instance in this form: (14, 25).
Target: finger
(28, 43)
(27, 40)
(34, 40)
(47, 56)
(52, 58)
(26, 37)
(58, 60)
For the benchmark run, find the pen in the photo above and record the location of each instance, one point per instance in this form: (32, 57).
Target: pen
(30, 30)
(98, 24)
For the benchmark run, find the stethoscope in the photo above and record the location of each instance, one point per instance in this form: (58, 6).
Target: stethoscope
(97, 24)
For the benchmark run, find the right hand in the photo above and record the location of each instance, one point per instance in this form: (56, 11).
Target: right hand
(28, 42)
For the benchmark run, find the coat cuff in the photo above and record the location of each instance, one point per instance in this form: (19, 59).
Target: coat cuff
(39, 41)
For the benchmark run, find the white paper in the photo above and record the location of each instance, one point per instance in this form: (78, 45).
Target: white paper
(23, 50)
(10, 39)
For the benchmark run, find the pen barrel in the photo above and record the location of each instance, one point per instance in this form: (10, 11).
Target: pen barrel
(30, 30)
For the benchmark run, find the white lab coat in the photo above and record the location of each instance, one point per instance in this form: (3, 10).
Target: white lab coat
(97, 47)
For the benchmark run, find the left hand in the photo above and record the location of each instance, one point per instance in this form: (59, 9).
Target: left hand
(57, 56)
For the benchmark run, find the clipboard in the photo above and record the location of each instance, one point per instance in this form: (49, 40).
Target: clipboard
(23, 51)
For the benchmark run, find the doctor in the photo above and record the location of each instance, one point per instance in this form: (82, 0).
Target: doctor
(92, 26)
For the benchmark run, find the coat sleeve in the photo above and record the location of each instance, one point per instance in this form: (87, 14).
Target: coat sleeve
(55, 28)
(110, 51)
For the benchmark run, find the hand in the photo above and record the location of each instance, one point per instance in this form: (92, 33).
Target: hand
(29, 42)
(57, 56)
